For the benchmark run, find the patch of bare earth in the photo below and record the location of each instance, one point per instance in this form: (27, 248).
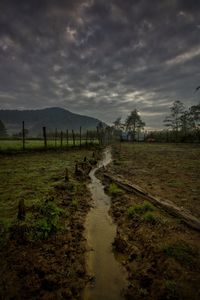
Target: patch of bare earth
(161, 255)
(168, 171)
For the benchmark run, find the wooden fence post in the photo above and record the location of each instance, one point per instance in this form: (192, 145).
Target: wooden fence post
(80, 136)
(98, 136)
(45, 137)
(61, 139)
(73, 136)
(56, 134)
(86, 139)
(23, 135)
(67, 136)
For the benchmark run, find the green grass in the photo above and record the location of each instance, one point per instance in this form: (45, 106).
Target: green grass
(181, 252)
(33, 177)
(149, 217)
(114, 189)
(139, 209)
(171, 289)
(7, 145)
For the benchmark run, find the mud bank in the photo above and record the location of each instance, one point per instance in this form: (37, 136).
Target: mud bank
(42, 257)
(160, 254)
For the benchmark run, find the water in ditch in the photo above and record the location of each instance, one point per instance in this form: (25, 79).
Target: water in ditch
(108, 276)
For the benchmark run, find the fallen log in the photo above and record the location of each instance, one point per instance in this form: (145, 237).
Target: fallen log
(185, 216)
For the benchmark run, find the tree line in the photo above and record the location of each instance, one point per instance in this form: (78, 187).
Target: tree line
(184, 124)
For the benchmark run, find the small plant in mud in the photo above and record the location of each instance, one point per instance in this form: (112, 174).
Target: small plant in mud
(149, 217)
(171, 290)
(114, 189)
(182, 252)
(74, 204)
(139, 209)
(4, 230)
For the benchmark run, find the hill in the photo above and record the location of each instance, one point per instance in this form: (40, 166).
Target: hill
(52, 118)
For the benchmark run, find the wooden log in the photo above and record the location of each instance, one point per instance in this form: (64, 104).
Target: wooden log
(185, 216)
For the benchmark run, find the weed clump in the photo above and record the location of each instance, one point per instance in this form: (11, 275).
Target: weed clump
(171, 290)
(181, 252)
(114, 189)
(149, 217)
(139, 209)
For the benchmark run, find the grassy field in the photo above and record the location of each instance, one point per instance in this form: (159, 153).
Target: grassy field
(43, 253)
(7, 145)
(32, 177)
(168, 171)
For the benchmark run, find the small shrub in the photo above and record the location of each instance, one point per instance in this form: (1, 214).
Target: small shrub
(171, 289)
(150, 218)
(74, 203)
(43, 228)
(114, 189)
(139, 209)
(50, 209)
(4, 230)
(181, 251)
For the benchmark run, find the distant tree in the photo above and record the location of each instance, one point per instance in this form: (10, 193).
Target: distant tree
(118, 124)
(134, 123)
(118, 127)
(19, 134)
(195, 116)
(3, 131)
(174, 119)
(100, 132)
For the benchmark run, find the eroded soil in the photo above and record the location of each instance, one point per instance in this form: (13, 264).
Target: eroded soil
(168, 171)
(43, 256)
(161, 255)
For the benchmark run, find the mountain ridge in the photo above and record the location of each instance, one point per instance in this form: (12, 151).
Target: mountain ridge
(51, 117)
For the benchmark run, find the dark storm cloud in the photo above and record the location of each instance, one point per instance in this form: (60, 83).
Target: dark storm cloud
(101, 58)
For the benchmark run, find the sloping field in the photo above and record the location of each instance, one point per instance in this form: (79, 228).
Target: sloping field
(168, 171)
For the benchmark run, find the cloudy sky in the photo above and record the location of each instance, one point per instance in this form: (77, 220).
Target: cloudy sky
(100, 58)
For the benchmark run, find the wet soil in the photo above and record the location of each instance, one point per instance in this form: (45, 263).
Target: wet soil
(161, 255)
(108, 278)
(53, 268)
(167, 171)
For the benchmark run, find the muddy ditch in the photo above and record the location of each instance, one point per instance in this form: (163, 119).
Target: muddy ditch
(108, 278)
(160, 253)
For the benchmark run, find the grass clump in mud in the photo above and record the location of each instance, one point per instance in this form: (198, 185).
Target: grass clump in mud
(39, 224)
(139, 209)
(182, 252)
(150, 218)
(49, 222)
(114, 190)
(172, 291)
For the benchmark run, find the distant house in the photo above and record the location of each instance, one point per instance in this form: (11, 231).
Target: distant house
(127, 136)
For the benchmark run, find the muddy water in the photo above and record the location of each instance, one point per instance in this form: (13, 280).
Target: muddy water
(109, 277)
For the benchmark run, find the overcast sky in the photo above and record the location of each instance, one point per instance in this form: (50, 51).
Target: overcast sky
(100, 58)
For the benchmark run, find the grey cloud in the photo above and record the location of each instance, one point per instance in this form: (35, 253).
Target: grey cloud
(101, 58)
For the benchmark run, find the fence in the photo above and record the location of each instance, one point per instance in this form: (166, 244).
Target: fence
(55, 139)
